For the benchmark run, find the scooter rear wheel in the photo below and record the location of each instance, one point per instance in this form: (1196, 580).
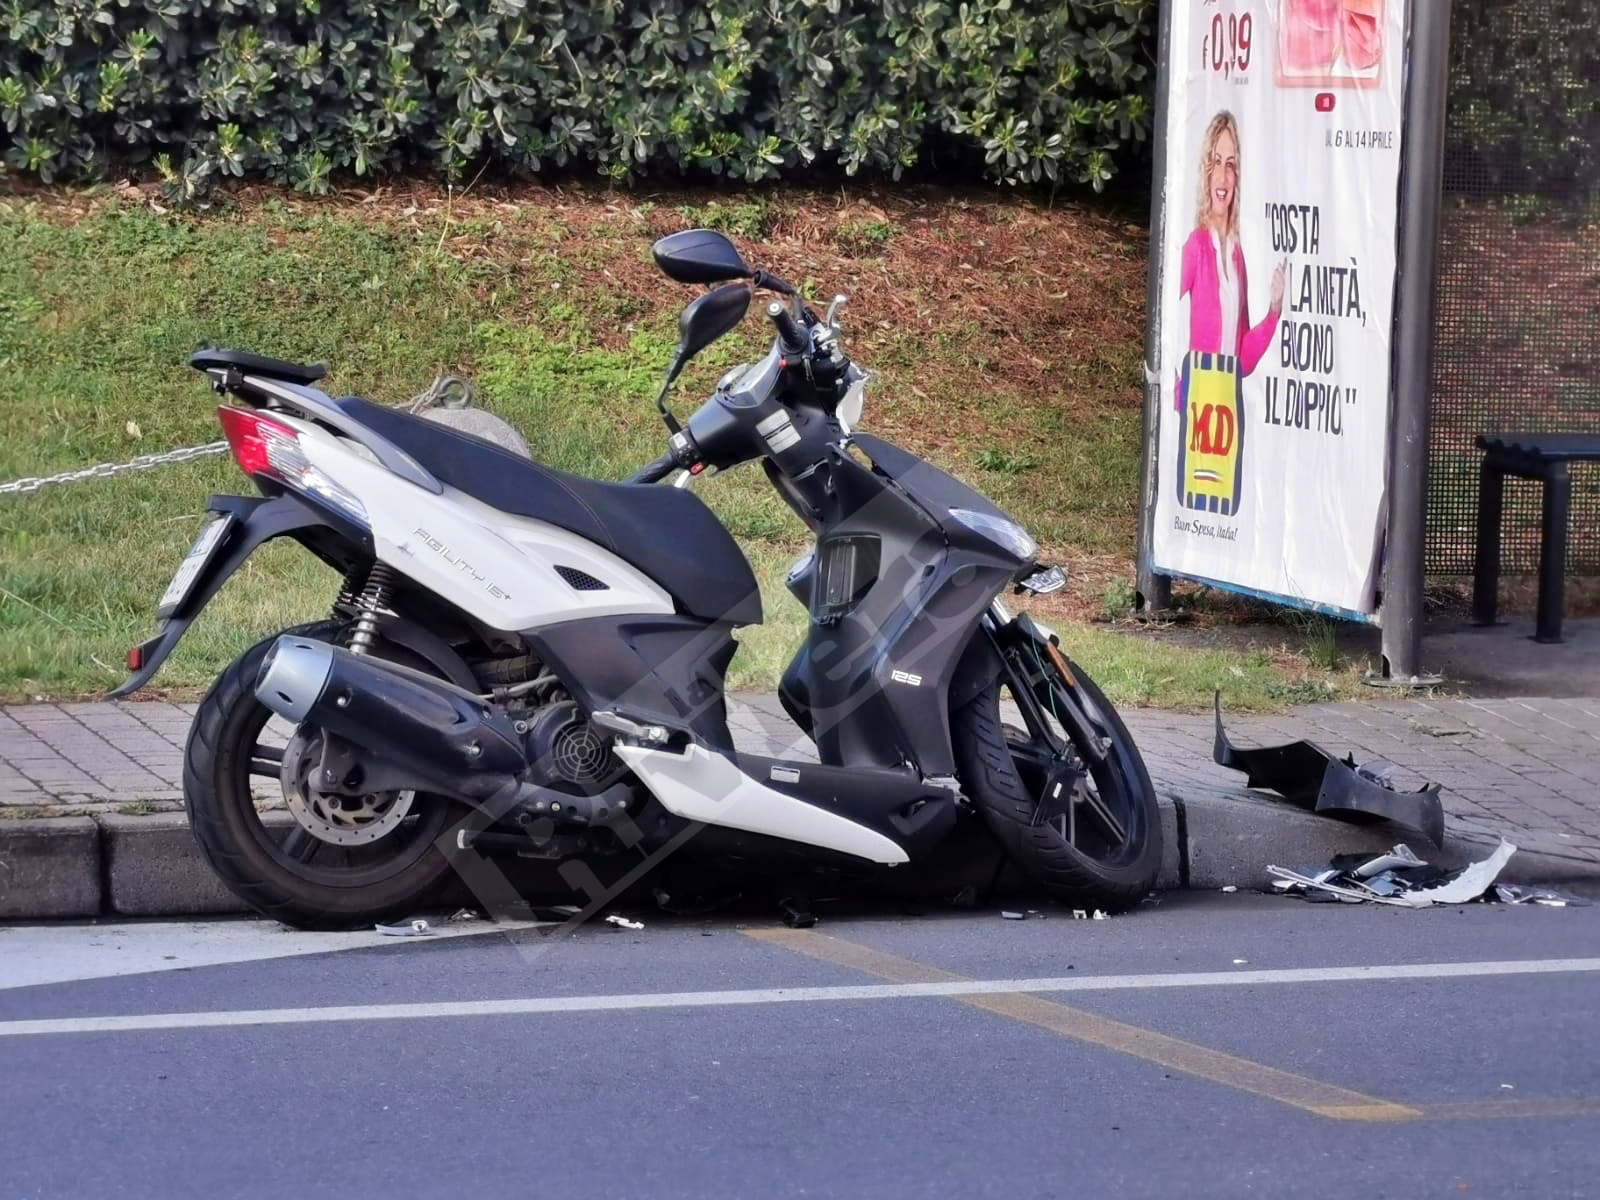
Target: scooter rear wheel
(380, 872)
(1079, 820)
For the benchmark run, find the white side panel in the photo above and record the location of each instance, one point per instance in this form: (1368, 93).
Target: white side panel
(498, 567)
(701, 786)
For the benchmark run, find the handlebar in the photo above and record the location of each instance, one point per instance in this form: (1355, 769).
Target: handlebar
(794, 342)
(765, 279)
(651, 472)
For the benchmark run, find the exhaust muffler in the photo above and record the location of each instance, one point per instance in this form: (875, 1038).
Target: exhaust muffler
(452, 741)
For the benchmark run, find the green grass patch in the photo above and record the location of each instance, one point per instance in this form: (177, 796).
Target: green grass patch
(1134, 670)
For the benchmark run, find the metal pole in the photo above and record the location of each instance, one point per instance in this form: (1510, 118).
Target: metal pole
(1421, 182)
(1154, 591)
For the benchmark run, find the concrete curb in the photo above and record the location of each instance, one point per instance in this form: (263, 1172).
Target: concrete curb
(149, 866)
(50, 867)
(153, 867)
(1229, 840)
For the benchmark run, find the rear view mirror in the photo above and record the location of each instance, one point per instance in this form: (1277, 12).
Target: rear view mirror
(700, 256)
(710, 316)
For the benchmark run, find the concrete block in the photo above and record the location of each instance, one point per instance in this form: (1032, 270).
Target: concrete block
(50, 867)
(1234, 838)
(1172, 847)
(154, 868)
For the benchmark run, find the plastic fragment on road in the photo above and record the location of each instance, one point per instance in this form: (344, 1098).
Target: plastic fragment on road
(623, 922)
(1307, 776)
(1397, 878)
(463, 915)
(1231, 888)
(1511, 893)
(1008, 915)
(555, 912)
(416, 928)
(797, 913)
(1101, 916)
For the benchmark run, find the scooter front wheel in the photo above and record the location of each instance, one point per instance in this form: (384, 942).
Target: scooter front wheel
(1065, 791)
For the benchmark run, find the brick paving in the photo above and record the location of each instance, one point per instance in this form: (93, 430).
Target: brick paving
(1525, 769)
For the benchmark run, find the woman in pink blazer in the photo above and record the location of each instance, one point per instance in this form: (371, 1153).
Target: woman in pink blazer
(1223, 346)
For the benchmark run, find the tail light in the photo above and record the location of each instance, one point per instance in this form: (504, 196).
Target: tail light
(263, 447)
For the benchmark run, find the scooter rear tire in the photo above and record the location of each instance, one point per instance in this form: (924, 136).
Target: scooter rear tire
(241, 850)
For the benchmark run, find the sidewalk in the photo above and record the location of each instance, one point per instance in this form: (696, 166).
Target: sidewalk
(96, 785)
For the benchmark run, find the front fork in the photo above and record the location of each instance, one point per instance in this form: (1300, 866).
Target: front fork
(1043, 681)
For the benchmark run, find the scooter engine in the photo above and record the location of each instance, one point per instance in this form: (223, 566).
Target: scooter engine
(563, 748)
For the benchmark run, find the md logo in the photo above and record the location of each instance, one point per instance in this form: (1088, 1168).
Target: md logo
(1209, 469)
(1213, 430)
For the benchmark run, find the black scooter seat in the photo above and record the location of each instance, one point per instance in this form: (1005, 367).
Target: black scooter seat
(666, 532)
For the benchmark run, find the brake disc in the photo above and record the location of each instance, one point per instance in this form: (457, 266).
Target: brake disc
(342, 819)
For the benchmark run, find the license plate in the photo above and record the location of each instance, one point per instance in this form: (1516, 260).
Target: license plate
(193, 563)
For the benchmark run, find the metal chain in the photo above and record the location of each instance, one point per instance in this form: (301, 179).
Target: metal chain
(145, 462)
(447, 391)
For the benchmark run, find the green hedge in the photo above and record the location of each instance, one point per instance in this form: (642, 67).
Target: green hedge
(1525, 97)
(305, 91)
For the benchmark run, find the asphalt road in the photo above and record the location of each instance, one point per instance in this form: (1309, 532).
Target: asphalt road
(879, 1054)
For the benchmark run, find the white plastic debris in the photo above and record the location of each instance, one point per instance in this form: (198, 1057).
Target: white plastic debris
(1079, 915)
(623, 922)
(1101, 916)
(416, 928)
(1008, 915)
(462, 915)
(1472, 882)
(1239, 962)
(1401, 856)
(1231, 888)
(1372, 881)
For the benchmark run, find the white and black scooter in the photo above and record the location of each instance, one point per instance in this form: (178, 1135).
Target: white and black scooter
(523, 660)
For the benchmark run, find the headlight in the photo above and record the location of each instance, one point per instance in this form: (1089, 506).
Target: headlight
(1008, 535)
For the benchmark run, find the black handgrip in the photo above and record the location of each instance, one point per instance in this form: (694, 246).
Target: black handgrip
(794, 342)
(660, 469)
(764, 279)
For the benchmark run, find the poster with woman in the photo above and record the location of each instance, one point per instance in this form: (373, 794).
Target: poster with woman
(1280, 182)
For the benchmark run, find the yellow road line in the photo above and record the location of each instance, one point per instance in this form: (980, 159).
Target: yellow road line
(1175, 1054)
(1484, 1110)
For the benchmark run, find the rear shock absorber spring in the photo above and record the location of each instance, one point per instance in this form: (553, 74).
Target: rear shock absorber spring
(344, 603)
(370, 603)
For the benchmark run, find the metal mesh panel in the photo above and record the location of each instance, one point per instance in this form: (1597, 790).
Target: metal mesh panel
(1517, 345)
(581, 580)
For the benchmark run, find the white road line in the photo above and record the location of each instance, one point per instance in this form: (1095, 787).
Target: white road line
(875, 991)
(31, 955)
